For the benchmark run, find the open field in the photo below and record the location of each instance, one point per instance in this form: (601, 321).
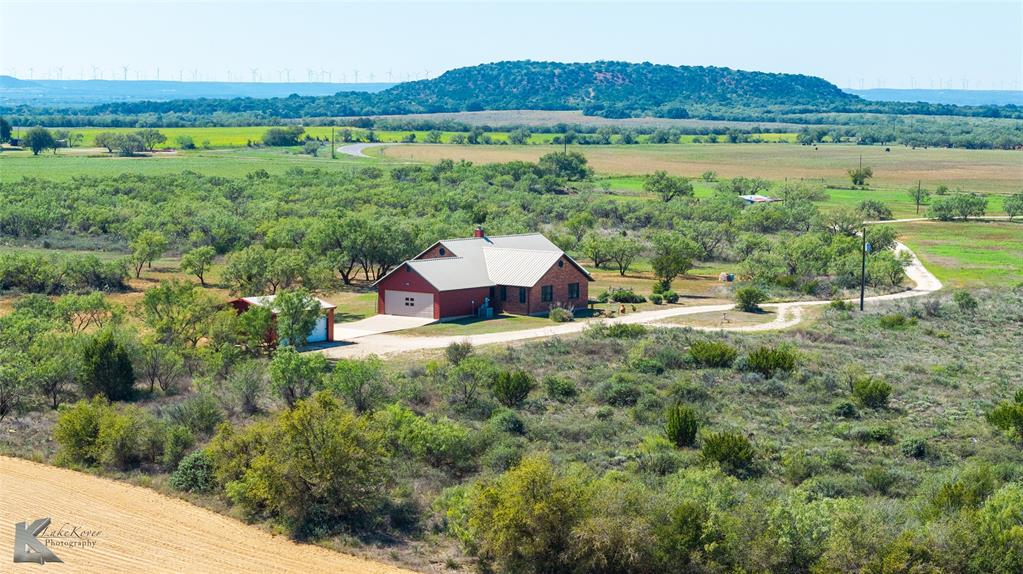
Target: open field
(972, 254)
(499, 118)
(992, 171)
(143, 531)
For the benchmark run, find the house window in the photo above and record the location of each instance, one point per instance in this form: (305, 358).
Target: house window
(547, 293)
(504, 292)
(522, 295)
(573, 290)
(443, 252)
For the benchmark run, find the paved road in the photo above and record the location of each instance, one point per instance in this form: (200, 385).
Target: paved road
(787, 315)
(356, 149)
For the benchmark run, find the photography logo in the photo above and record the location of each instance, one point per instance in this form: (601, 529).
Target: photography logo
(28, 548)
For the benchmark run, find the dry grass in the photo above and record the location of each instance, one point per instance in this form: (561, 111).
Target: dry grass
(974, 170)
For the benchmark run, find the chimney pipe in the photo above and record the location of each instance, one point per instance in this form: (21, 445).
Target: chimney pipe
(478, 232)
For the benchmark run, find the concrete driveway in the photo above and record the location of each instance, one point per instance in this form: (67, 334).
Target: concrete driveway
(375, 325)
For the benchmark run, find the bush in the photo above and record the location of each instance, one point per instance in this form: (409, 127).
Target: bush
(199, 413)
(441, 443)
(621, 295)
(670, 297)
(619, 330)
(457, 351)
(95, 432)
(712, 354)
(621, 391)
(749, 298)
(508, 421)
(917, 448)
(681, 426)
(881, 434)
(194, 473)
(731, 451)
(656, 299)
(559, 388)
(895, 321)
(1008, 416)
(107, 368)
(512, 387)
(967, 303)
(77, 428)
(176, 441)
(841, 306)
(770, 360)
(560, 315)
(871, 392)
(845, 410)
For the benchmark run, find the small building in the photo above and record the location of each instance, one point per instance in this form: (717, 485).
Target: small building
(322, 332)
(477, 276)
(756, 198)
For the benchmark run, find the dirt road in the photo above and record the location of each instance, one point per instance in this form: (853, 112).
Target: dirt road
(140, 530)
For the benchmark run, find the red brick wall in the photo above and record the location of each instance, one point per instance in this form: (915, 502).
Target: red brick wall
(404, 279)
(559, 278)
(434, 252)
(512, 305)
(460, 303)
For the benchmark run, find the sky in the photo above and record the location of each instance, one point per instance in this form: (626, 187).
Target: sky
(976, 45)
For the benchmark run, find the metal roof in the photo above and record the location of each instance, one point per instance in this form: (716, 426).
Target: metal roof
(268, 301)
(513, 260)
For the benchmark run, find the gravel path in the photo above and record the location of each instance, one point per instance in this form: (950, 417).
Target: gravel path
(788, 315)
(356, 149)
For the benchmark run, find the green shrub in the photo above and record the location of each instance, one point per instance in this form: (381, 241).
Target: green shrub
(457, 351)
(871, 392)
(129, 436)
(199, 413)
(559, 388)
(769, 360)
(437, 442)
(621, 330)
(681, 425)
(194, 473)
(881, 434)
(917, 448)
(512, 387)
(1008, 416)
(621, 390)
(106, 367)
(733, 452)
(507, 421)
(842, 306)
(670, 297)
(881, 479)
(845, 410)
(656, 299)
(621, 295)
(560, 315)
(77, 428)
(895, 321)
(176, 441)
(749, 298)
(712, 354)
(967, 303)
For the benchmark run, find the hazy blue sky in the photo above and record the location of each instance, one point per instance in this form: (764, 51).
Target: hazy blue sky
(931, 44)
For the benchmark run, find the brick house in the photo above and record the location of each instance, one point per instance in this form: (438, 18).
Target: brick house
(518, 274)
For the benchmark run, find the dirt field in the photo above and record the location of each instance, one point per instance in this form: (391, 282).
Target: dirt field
(991, 171)
(143, 531)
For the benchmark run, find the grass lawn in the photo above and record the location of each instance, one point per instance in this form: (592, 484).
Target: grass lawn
(224, 162)
(971, 254)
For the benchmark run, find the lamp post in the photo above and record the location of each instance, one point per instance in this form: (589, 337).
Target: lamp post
(863, 266)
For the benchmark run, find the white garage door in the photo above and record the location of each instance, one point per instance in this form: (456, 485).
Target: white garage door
(408, 303)
(319, 332)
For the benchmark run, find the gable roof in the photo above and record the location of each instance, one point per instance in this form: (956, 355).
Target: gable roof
(514, 260)
(268, 301)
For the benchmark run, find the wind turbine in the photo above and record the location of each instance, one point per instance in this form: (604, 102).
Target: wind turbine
(311, 74)
(195, 74)
(124, 75)
(60, 72)
(255, 72)
(371, 77)
(356, 76)
(389, 76)
(94, 70)
(31, 71)
(427, 72)
(325, 73)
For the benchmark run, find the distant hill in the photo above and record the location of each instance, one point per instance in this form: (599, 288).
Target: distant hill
(46, 93)
(607, 89)
(954, 97)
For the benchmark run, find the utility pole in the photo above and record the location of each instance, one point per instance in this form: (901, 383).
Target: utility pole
(918, 182)
(863, 267)
(332, 149)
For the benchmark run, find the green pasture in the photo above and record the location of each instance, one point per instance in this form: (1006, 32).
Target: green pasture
(968, 254)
